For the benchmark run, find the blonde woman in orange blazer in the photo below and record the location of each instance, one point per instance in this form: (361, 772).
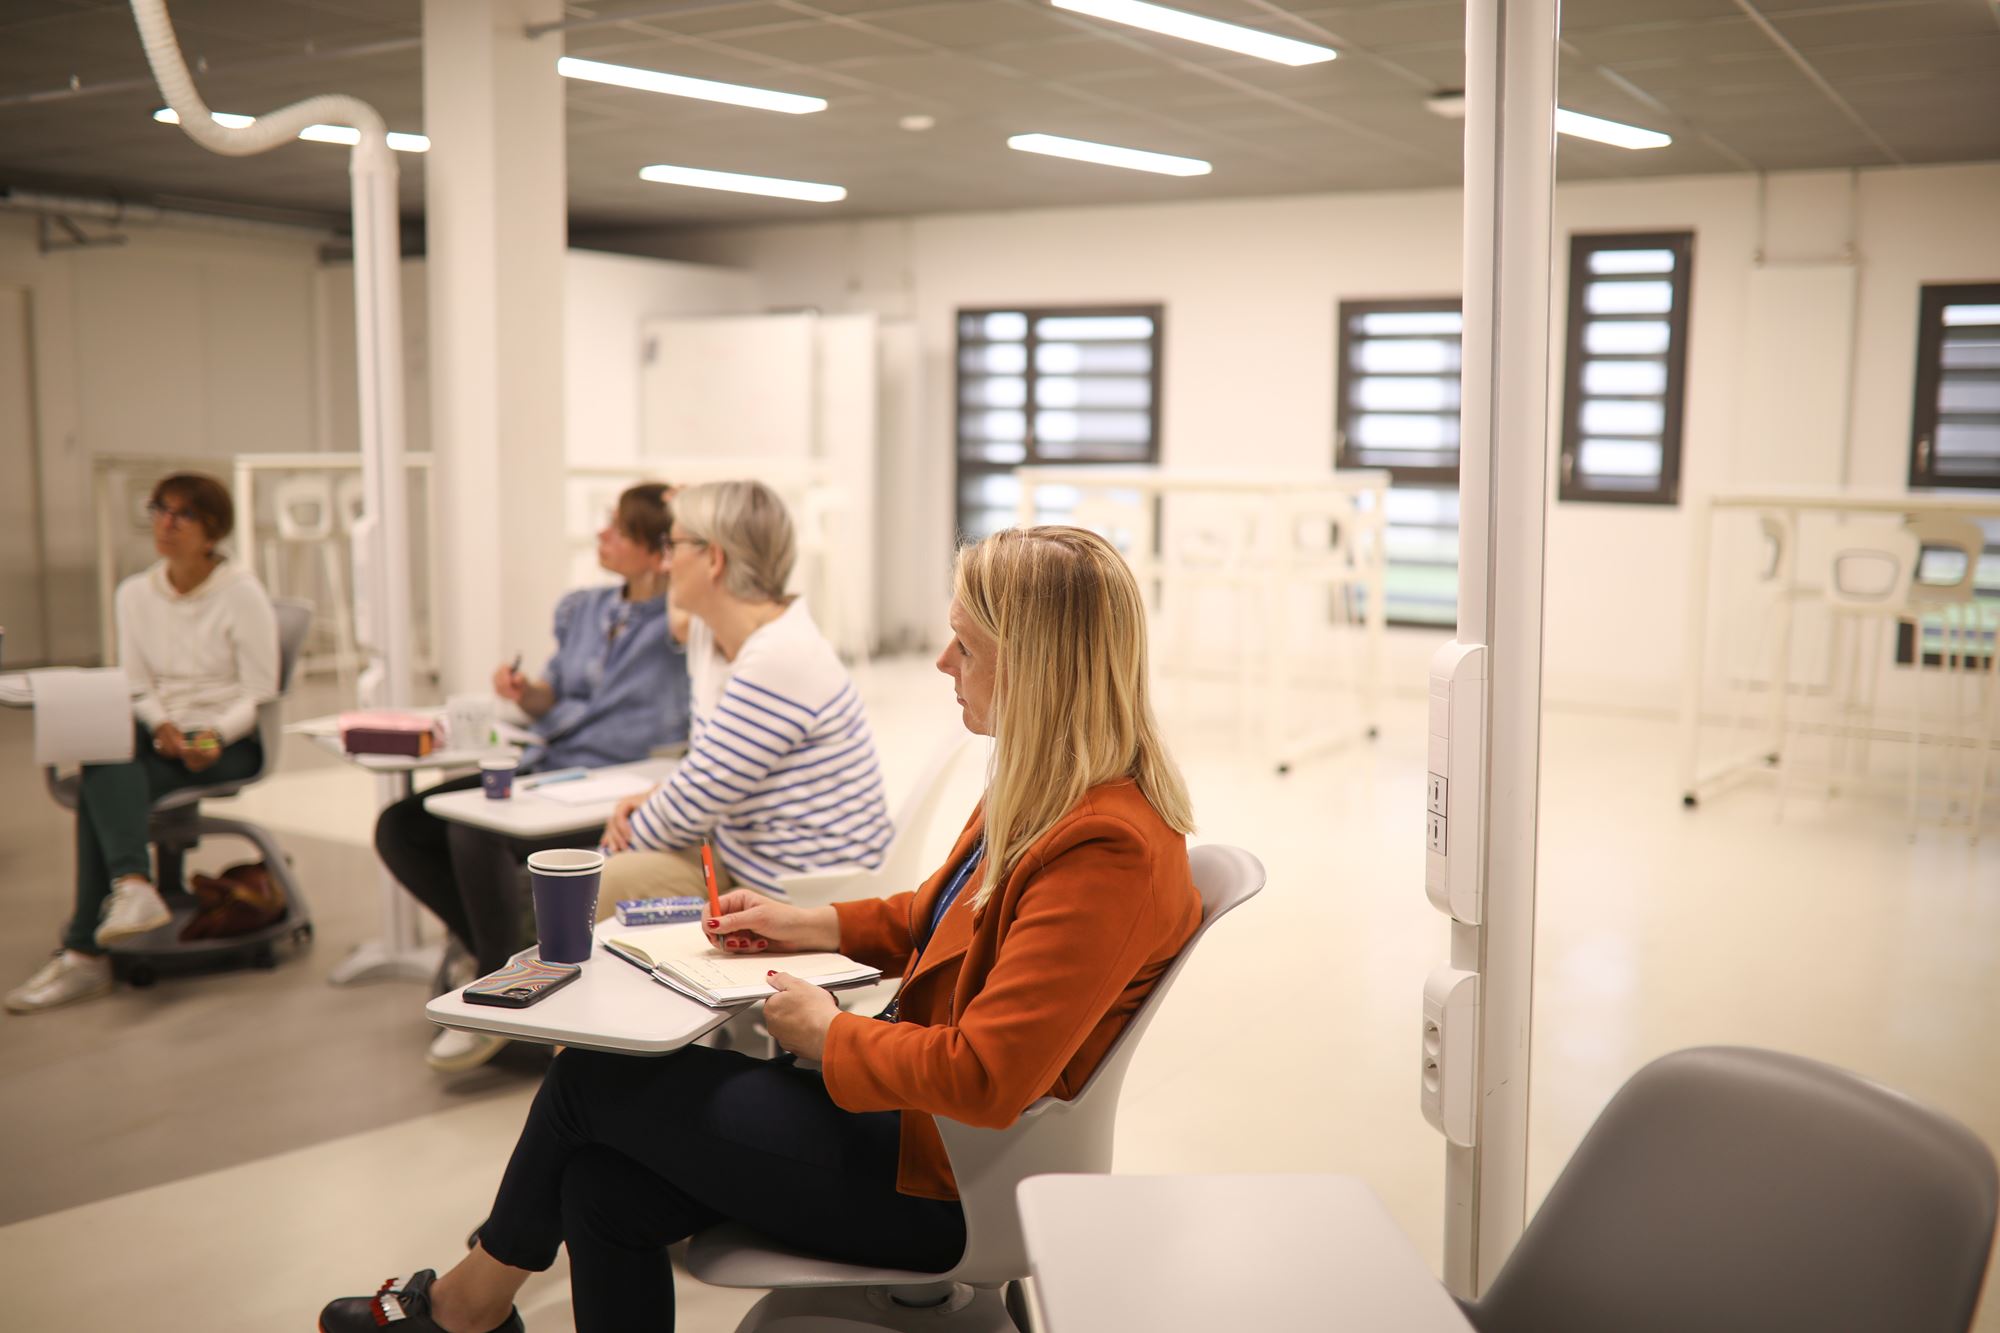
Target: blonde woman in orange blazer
(1067, 895)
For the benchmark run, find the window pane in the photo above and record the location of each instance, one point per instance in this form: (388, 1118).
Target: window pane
(1001, 391)
(1624, 377)
(1104, 359)
(1629, 298)
(998, 359)
(1006, 326)
(1409, 394)
(1969, 448)
(1382, 323)
(1971, 314)
(1094, 328)
(993, 425)
(1089, 427)
(1969, 395)
(1052, 392)
(1604, 460)
(1631, 261)
(1627, 337)
(1963, 353)
(1615, 416)
(994, 452)
(1407, 355)
(1405, 432)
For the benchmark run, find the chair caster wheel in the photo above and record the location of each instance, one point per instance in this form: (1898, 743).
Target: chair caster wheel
(141, 977)
(264, 958)
(303, 935)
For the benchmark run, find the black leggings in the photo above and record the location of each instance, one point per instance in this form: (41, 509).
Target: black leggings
(468, 877)
(623, 1155)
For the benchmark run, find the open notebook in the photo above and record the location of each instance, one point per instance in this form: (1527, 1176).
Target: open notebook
(684, 960)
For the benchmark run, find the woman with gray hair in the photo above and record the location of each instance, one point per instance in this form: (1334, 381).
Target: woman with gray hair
(780, 772)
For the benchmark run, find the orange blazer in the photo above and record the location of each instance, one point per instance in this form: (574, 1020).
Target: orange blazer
(1022, 999)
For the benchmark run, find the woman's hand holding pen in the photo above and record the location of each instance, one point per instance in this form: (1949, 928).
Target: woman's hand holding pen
(753, 923)
(618, 831)
(509, 683)
(798, 1016)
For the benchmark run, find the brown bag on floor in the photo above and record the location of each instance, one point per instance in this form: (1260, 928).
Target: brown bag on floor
(242, 899)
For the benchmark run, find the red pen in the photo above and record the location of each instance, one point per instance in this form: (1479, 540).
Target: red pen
(708, 878)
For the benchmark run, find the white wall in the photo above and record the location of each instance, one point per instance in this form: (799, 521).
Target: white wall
(179, 344)
(1250, 288)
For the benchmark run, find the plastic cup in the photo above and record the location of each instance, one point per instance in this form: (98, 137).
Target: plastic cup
(497, 777)
(565, 884)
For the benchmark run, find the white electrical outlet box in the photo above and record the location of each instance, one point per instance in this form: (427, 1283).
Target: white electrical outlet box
(1451, 1030)
(1452, 806)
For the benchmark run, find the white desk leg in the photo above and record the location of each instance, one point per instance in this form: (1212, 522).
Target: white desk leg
(1694, 666)
(400, 955)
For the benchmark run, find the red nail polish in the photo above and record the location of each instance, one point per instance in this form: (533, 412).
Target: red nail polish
(713, 922)
(772, 973)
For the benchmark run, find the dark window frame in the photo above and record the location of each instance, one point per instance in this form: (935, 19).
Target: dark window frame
(1570, 485)
(1932, 299)
(962, 467)
(1346, 455)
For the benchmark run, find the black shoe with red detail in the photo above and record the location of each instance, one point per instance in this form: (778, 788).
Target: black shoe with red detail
(402, 1304)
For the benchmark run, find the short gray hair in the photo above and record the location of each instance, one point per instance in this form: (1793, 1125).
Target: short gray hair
(746, 521)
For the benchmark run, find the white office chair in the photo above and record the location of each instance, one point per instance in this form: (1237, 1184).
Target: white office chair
(306, 512)
(814, 1295)
(1964, 629)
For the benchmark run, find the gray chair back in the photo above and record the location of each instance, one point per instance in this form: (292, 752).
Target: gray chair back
(1725, 1188)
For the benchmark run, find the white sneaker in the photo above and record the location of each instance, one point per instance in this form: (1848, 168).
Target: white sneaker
(62, 980)
(133, 908)
(454, 1052)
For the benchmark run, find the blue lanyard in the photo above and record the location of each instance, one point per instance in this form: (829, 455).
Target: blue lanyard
(959, 879)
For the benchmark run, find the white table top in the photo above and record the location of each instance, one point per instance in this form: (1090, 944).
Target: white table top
(528, 814)
(1099, 476)
(1985, 503)
(324, 732)
(613, 1007)
(1192, 1254)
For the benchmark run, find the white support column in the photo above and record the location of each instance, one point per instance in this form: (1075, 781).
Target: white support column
(1510, 66)
(496, 229)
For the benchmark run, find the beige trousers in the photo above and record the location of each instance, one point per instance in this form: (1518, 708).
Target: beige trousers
(637, 874)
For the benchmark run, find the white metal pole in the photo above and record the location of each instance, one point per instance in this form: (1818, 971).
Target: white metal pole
(1510, 66)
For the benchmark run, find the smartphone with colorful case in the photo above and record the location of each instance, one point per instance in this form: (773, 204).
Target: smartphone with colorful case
(521, 983)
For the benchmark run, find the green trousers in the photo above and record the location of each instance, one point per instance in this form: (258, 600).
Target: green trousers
(112, 808)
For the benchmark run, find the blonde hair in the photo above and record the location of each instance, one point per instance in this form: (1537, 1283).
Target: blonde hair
(748, 523)
(1070, 705)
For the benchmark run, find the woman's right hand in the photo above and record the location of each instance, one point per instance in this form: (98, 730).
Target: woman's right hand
(751, 922)
(618, 830)
(168, 742)
(509, 684)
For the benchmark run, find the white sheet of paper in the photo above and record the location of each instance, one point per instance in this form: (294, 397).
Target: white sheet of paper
(82, 716)
(593, 791)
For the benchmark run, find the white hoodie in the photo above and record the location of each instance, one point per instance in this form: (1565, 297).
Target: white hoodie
(203, 659)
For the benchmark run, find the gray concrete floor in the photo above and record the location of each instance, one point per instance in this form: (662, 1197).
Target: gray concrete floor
(196, 1073)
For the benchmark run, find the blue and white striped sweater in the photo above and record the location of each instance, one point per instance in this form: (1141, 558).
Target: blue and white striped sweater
(781, 769)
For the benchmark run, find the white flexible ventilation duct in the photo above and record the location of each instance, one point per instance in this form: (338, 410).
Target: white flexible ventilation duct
(382, 544)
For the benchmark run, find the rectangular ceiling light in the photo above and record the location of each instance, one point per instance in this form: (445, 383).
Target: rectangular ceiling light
(1580, 126)
(679, 85)
(343, 134)
(1109, 155)
(729, 180)
(1195, 28)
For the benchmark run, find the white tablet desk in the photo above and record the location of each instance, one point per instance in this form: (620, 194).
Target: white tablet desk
(1193, 1254)
(613, 1007)
(529, 815)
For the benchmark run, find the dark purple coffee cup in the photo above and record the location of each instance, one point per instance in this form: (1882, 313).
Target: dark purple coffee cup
(497, 777)
(565, 884)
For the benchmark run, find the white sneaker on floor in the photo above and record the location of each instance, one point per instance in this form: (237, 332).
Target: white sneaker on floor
(133, 908)
(454, 1052)
(64, 979)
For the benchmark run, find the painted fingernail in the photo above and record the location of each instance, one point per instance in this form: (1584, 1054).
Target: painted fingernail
(763, 944)
(714, 921)
(772, 973)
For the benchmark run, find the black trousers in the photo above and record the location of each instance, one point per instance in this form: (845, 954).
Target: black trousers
(468, 877)
(623, 1155)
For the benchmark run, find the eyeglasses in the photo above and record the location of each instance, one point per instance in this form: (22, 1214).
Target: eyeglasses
(672, 542)
(158, 511)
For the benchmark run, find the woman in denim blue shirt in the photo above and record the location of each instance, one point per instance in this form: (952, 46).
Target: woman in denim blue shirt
(615, 690)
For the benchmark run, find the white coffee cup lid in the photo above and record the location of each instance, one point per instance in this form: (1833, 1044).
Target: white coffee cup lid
(506, 762)
(566, 861)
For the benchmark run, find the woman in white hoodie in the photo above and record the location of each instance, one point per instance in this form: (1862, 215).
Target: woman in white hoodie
(199, 643)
